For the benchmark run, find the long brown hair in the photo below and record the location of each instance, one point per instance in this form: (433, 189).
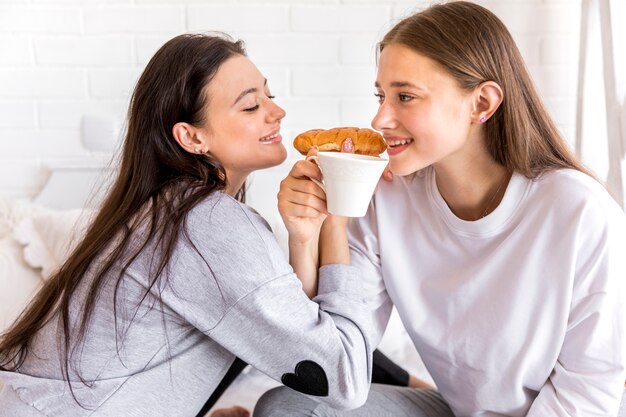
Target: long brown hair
(157, 185)
(474, 46)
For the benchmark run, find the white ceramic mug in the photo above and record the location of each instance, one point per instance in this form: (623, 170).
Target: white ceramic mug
(349, 181)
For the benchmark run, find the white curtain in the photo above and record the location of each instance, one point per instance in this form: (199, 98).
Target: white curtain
(601, 105)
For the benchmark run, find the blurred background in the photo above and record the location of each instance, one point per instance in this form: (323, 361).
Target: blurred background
(68, 67)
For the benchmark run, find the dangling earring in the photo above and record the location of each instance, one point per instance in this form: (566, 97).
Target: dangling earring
(483, 119)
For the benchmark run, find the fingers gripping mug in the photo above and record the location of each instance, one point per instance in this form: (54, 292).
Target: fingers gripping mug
(349, 181)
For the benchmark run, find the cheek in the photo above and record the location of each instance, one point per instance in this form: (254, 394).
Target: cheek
(422, 122)
(449, 119)
(251, 128)
(233, 136)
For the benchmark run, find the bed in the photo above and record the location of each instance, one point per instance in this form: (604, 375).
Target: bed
(36, 234)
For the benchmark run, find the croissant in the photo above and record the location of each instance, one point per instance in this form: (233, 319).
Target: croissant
(362, 141)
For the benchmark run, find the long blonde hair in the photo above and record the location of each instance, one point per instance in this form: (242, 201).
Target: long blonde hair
(474, 46)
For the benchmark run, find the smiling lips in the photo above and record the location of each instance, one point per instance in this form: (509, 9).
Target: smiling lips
(395, 141)
(271, 138)
(395, 144)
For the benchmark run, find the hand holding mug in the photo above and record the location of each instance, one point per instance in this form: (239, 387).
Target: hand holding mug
(301, 203)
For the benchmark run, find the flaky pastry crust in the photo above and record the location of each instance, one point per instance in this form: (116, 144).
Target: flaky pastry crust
(364, 141)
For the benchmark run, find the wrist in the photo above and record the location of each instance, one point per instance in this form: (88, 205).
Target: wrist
(334, 241)
(300, 242)
(304, 259)
(335, 221)
(334, 226)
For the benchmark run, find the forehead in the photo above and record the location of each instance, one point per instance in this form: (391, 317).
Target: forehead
(233, 76)
(400, 64)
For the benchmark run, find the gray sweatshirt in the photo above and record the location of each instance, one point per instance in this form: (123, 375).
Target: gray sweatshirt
(237, 297)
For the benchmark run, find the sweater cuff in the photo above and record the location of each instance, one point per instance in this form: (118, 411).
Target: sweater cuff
(339, 278)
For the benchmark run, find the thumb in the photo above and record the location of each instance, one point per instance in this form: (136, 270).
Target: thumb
(312, 151)
(387, 175)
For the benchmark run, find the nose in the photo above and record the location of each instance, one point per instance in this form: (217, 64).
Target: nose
(275, 111)
(384, 118)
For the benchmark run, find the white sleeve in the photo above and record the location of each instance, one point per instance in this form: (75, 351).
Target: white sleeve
(588, 378)
(365, 255)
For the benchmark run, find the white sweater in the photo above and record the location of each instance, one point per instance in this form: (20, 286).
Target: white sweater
(521, 313)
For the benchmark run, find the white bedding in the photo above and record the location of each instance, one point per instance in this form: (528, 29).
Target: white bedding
(34, 240)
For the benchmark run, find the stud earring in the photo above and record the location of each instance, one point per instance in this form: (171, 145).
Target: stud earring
(483, 119)
(198, 150)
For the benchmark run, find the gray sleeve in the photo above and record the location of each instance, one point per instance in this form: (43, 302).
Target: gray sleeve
(238, 288)
(318, 348)
(365, 256)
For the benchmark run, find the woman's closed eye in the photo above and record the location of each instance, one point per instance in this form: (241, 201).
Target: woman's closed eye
(256, 107)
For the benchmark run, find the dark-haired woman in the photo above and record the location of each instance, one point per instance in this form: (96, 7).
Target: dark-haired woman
(505, 258)
(176, 276)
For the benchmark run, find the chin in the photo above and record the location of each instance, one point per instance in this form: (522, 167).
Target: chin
(402, 170)
(277, 158)
(281, 155)
(408, 164)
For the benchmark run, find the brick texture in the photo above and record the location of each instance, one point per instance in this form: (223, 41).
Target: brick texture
(61, 60)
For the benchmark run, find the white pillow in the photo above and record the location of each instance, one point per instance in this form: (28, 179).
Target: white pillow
(18, 281)
(12, 211)
(49, 236)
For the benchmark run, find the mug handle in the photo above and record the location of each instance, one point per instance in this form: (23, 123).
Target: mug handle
(315, 159)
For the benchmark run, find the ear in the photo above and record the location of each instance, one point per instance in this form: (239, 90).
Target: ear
(187, 137)
(487, 98)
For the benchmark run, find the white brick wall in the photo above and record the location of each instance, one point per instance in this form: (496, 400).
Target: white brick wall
(63, 59)
(87, 51)
(239, 18)
(17, 115)
(133, 19)
(45, 20)
(40, 82)
(15, 52)
(339, 19)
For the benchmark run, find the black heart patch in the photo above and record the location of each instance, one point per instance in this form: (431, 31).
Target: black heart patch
(309, 378)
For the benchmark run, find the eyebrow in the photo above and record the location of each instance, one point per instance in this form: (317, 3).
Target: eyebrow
(248, 91)
(401, 84)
